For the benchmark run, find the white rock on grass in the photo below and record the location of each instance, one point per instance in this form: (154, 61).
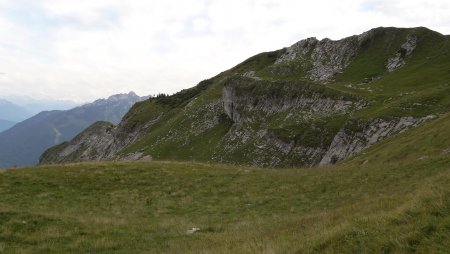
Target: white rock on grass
(192, 231)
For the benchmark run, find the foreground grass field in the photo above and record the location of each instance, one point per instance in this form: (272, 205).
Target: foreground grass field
(393, 198)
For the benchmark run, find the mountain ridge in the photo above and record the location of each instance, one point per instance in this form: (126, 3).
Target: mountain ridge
(313, 103)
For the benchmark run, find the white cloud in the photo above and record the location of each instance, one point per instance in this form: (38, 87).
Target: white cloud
(88, 49)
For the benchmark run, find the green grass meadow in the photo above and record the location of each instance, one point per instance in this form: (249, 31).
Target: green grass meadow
(392, 198)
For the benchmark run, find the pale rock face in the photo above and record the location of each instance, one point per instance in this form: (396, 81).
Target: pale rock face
(331, 57)
(101, 141)
(346, 144)
(229, 103)
(250, 74)
(327, 57)
(298, 50)
(398, 60)
(235, 105)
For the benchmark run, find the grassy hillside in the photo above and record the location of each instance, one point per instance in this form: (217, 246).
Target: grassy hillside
(419, 88)
(395, 197)
(289, 118)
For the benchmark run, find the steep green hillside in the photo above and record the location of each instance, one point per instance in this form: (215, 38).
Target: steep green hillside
(202, 130)
(419, 88)
(393, 198)
(314, 103)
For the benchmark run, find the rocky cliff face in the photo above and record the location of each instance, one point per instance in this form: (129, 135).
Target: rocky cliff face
(399, 59)
(287, 115)
(348, 141)
(324, 60)
(100, 141)
(353, 137)
(241, 96)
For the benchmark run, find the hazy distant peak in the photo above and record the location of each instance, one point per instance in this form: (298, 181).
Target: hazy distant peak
(123, 96)
(4, 102)
(131, 96)
(12, 112)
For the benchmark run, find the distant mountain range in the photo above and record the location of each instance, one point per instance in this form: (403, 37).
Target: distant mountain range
(13, 112)
(34, 106)
(25, 142)
(5, 124)
(15, 109)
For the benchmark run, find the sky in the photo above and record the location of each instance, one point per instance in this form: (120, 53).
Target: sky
(83, 50)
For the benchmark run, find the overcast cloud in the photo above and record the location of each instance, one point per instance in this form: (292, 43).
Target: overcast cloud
(85, 49)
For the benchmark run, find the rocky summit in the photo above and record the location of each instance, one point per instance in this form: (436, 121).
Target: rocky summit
(314, 103)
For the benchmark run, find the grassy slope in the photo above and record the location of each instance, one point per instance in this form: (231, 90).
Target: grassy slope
(393, 198)
(419, 88)
(181, 120)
